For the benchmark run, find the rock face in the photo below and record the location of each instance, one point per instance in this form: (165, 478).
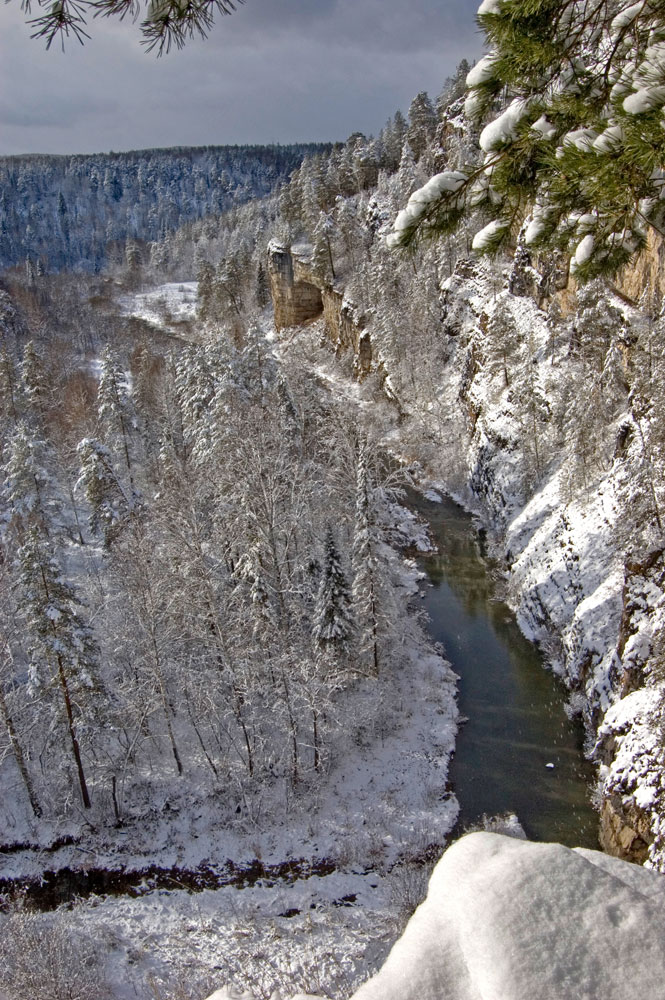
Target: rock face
(647, 271)
(506, 919)
(625, 830)
(295, 300)
(299, 296)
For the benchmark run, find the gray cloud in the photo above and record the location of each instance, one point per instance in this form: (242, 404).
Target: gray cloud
(383, 25)
(277, 70)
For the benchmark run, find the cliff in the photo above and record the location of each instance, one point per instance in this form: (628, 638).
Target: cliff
(519, 427)
(299, 296)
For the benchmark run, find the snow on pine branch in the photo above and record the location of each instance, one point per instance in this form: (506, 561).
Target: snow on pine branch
(580, 131)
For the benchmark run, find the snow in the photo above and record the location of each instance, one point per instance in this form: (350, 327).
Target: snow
(584, 249)
(536, 226)
(447, 182)
(315, 934)
(167, 306)
(506, 919)
(489, 7)
(645, 99)
(472, 104)
(609, 140)
(484, 236)
(481, 72)
(627, 16)
(504, 128)
(582, 138)
(544, 127)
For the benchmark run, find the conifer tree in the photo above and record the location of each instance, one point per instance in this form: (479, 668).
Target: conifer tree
(332, 625)
(322, 258)
(9, 413)
(62, 652)
(114, 405)
(34, 381)
(10, 685)
(407, 172)
(262, 287)
(365, 568)
(393, 140)
(422, 123)
(110, 506)
(29, 492)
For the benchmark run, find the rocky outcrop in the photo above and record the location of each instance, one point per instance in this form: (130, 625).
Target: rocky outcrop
(646, 272)
(506, 919)
(295, 300)
(299, 296)
(625, 830)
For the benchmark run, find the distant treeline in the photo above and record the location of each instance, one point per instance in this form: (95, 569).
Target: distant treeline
(70, 212)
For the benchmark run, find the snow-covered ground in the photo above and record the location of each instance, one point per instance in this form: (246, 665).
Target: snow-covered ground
(374, 818)
(166, 307)
(505, 919)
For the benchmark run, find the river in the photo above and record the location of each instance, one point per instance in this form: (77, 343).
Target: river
(517, 727)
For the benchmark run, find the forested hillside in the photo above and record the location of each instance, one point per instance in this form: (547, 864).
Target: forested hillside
(80, 212)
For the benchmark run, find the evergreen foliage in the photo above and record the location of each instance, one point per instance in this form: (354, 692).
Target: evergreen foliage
(332, 622)
(577, 148)
(161, 26)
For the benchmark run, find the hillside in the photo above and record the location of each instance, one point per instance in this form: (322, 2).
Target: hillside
(77, 213)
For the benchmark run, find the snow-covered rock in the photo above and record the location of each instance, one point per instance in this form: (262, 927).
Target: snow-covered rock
(506, 919)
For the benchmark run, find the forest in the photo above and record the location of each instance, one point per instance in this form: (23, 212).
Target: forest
(80, 212)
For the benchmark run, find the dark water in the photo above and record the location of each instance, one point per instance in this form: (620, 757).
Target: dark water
(517, 723)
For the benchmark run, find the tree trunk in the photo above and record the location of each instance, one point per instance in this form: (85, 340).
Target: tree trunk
(317, 758)
(72, 733)
(19, 757)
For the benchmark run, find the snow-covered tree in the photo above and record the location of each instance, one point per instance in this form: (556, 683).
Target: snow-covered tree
(34, 381)
(62, 652)
(366, 600)
(422, 123)
(110, 504)
(29, 491)
(332, 625)
(577, 149)
(322, 258)
(11, 689)
(114, 405)
(9, 391)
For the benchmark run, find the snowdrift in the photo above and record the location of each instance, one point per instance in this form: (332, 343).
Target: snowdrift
(507, 919)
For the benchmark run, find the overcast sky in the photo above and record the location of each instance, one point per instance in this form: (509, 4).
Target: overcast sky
(275, 71)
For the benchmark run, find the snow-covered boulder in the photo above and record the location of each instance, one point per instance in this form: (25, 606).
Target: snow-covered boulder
(506, 919)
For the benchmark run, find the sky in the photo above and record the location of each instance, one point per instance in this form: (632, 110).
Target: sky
(274, 71)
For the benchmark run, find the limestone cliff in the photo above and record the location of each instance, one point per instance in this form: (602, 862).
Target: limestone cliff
(295, 300)
(299, 296)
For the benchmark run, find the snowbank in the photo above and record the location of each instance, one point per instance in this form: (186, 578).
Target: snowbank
(506, 919)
